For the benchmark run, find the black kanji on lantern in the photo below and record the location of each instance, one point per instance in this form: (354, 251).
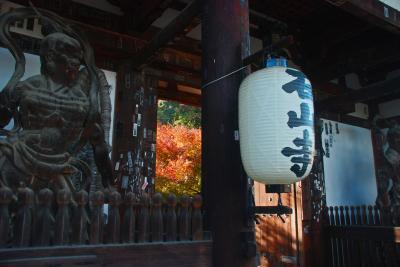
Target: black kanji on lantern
(304, 152)
(303, 90)
(301, 157)
(305, 117)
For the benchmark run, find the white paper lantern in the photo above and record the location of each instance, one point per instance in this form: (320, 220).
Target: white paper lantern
(276, 124)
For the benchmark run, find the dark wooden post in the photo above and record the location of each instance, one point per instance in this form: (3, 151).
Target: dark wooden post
(61, 236)
(345, 242)
(113, 225)
(156, 219)
(143, 219)
(353, 215)
(377, 218)
(23, 226)
(347, 215)
(5, 200)
(44, 220)
(170, 218)
(334, 252)
(128, 224)
(80, 219)
(184, 219)
(197, 219)
(96, 219)
(358, 215)
(370, 216)
(328, 240)
(225, 41)
(364, 215)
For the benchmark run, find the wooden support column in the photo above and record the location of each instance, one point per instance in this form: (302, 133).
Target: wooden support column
(225, 41)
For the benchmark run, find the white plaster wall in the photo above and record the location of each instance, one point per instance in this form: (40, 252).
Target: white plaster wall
(349, 170)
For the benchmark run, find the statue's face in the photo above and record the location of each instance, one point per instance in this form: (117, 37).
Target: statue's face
(65, 62)
(68, 62)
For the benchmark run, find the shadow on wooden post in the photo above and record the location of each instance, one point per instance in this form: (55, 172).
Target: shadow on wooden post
(97, 220)
(44, 219)
(5, 200)
(197, 219)
(80, 219)
(170, 218)
(143, 219)
(184, 219)
(156, 219)
(22, 231)
(113, 225)
(128, 224)
(61, 236)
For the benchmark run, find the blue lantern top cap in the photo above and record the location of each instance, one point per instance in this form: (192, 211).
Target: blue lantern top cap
(276, 62)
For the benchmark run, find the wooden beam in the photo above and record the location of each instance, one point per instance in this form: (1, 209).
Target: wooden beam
(181, 97)
(367, 93)
(328, 88)
(104, 29)
(372, 51)
(374, 11)
(284, 42)
(170, 75)
(167, 34)
(186, 44)
(139, 16)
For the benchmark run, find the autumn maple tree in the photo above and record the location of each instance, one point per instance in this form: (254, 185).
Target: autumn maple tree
(178, 167)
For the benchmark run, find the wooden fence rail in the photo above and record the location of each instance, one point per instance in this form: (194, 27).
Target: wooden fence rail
(356, 236)
(46, 219)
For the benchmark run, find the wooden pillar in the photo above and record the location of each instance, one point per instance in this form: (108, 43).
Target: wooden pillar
(135, 136)
(225, 41)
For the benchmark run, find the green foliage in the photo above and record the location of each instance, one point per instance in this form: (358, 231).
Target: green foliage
(174, 113)
(190, 186)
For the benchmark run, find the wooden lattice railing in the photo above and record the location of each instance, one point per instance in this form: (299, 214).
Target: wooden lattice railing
(29, 219)
(357, 236)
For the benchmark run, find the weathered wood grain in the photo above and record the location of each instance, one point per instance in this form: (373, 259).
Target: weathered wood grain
(156, 219)
(170, 219)
(43, 220)
(80, 219)
(143, 219)
(173, 254)
(197, 219)
(113, 224)
(128, 223)
(5, 200)
(23, 225)
(184, 219)
(97, 220)
(61, 236)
